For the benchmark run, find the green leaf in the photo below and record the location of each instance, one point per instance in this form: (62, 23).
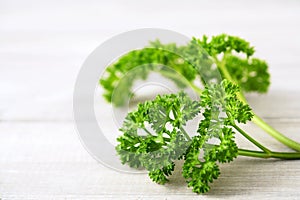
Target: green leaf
(165, 142)
(216, 99)
(119, 77)
(223, 98)
(160, 175)
(251, 74)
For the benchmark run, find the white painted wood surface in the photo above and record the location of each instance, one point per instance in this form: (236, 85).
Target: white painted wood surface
(42, 46)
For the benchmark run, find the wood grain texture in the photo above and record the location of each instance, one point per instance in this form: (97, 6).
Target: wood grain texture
(42, 47)
(46, 160)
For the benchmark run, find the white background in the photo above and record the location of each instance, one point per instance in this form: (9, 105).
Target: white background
(44, 43)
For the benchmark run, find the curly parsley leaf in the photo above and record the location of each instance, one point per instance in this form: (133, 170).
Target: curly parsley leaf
(234, 58)
(215, 99)
(223, 97)
(210, 59)
(154, 136)
(120, 76)
(165, 142)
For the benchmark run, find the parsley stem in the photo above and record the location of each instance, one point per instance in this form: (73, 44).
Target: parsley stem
(146, 130)
(177, 76)
(275, 134)
(256, 143)
(270, 130)
(260, 154)
(271, 154)
(185, 134)
(223, 69)
(256, 119)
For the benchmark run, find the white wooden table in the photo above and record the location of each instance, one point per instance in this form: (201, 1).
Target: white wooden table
(42, 47)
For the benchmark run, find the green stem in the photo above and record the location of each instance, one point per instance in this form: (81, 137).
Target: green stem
(271, 154)
(275, 134)
(256, 143)
(146, 130)
(223, 69)
(270, 130)
(177, 76)
(257, 120)
(185, 134)
(259, 154)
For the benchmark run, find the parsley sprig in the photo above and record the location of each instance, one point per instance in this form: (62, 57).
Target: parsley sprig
(154, 135)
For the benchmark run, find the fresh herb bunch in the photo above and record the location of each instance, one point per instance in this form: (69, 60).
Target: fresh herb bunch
(154, 135)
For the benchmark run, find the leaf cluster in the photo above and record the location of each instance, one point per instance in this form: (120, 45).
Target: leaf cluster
(235, 55)
(120, 76)
(167, 140)
(221, 111)
(206, 59)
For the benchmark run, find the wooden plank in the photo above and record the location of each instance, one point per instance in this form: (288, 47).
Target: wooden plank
(42, 46)
(46, 160)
